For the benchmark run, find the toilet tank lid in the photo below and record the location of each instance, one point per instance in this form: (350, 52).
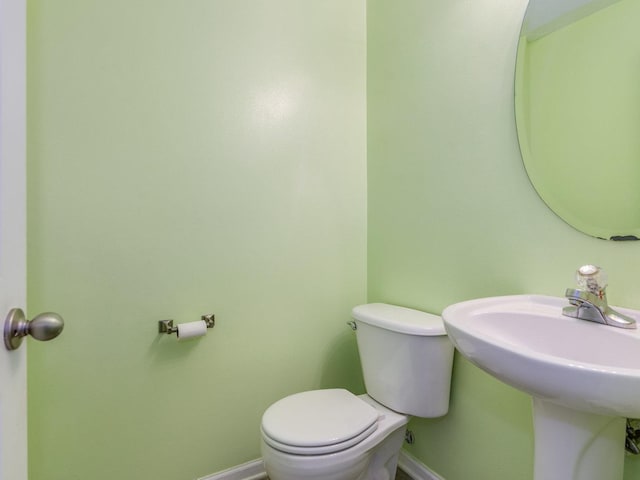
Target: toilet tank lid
(399, 319)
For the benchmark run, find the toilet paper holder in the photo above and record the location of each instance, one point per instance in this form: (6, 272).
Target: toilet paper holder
(166, 326)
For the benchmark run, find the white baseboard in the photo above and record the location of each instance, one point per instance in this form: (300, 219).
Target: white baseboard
(416, 469)
(254, 470)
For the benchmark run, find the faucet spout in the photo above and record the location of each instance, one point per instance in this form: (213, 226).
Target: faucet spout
(586, 305)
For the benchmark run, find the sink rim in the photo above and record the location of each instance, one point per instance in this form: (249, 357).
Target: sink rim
(498, 304)
(587, 386)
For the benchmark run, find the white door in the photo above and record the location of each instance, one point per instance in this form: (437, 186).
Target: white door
(13, 375)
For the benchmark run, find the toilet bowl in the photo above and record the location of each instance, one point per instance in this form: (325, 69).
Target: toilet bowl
(333, 434)
(358, 439)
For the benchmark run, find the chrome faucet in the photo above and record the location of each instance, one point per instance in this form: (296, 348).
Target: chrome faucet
(589, 300)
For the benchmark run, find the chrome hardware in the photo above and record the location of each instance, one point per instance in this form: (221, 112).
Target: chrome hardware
(590, 301)
(587, 306)
(633, 436)
(166, 326)
(408, 437)
(45, 326)
(352, 325)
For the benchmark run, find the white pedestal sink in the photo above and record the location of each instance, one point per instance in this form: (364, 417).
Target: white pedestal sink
(584, 377)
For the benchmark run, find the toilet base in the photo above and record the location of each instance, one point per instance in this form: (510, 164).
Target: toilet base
(384, 464)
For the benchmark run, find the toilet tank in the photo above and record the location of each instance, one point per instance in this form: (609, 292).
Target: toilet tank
(406, 358)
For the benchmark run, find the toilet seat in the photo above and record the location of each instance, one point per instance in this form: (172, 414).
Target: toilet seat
(318, 422)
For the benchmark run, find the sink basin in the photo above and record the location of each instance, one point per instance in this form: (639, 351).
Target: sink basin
(526, 342)
(584, 377)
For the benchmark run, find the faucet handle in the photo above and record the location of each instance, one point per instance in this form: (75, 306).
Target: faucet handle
(593, 279)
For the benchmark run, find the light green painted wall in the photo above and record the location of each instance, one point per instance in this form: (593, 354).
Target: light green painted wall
(185, 158)
(452, 215)
(210, 156)
(577, 98)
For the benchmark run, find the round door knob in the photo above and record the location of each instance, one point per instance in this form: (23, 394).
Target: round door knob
(45, 326)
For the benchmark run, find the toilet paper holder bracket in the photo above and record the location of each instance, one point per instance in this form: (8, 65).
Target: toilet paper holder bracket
(167, 326)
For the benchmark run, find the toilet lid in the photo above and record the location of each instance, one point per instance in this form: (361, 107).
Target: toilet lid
(318, 421)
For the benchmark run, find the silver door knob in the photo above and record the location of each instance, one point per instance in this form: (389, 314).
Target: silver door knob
(45, 326)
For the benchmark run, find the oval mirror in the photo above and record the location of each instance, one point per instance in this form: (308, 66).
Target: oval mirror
(578, 111)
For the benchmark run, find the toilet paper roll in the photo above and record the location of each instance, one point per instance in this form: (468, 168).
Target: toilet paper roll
(192, 329)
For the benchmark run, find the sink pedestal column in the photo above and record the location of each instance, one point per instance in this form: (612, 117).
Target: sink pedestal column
(574, 445)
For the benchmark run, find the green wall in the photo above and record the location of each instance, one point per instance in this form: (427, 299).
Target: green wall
(184, 158)
(452, 215)
(188, 157)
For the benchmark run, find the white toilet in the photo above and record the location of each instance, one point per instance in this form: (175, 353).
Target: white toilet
(334, 435)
